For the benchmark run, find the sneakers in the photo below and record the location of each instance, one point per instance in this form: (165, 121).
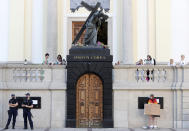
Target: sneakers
(145, 127)
(155, 127)
(151, 126)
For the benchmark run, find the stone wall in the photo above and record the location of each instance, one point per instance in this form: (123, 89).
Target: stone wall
(171, 83)
(129, 83)
(47, 82)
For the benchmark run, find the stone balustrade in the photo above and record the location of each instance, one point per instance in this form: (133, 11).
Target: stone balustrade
(28, 74)
(150, 74)
(146, 76)
(124, 76)
(32, 76)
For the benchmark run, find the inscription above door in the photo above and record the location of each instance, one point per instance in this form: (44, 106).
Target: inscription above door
(89, 101)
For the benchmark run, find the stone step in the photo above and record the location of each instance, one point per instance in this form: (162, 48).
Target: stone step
(101, 129)
(73, 129)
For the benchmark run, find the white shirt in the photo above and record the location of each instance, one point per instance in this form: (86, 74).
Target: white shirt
(182, 63)
(169, 64)
(148, 62)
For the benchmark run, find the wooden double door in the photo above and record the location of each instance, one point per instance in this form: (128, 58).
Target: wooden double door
(89, 101)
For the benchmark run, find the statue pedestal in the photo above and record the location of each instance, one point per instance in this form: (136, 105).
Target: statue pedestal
(86, 60)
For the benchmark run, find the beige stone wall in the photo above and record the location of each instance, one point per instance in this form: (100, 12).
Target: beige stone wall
(52, 91)
(171, 83)
(52, 113)
(127, 114)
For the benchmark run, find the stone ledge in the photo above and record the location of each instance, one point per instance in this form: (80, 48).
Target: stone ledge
(125, 66)
(7, 66)
(26, 85)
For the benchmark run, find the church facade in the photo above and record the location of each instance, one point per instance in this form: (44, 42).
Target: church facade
(29, 29)
(91, 90)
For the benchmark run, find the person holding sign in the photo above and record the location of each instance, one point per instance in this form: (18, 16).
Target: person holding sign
(152, 120)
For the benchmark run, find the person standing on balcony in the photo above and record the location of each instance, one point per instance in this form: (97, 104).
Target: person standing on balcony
(149, 60)
(182, 61)
(46, 61)
(140, 62)
(12, 112)
(27, 106)
(171, 63)
(59, 60)
(152, 118)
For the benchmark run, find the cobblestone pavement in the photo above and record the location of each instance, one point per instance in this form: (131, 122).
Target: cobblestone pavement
(93, 129)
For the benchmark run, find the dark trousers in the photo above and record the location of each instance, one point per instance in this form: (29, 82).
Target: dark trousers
(11, 113)
(27, 115)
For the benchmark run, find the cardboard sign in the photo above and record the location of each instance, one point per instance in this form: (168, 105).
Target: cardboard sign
(152, 109)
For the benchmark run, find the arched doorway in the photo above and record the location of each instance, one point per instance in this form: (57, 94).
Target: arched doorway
(89, 101)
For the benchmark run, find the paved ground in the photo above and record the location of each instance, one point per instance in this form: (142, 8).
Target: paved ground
(93, 129)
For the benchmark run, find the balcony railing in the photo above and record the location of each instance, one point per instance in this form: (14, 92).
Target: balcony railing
(154, 77)
(22, 76)
(124, 76)
(28, 74)
(147, 74)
